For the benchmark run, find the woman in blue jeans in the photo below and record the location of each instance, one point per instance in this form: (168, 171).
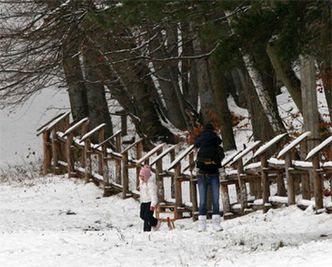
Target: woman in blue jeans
(208, 163)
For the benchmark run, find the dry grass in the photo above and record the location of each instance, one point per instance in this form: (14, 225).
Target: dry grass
(23, 173)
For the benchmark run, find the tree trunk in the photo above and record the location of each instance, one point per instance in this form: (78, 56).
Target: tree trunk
(325, 68)
(262, 85)
(234, 81)
(166, 73)
(262, 129)
(208, 110)
(74, 77)
(324, 49)
(286, 75)
(218, 86)
(98, 108)
(326, 72)
(311, 123)
(293, 84)
(262, 89)
(119, 92)
(143, 94)
(309, 99)
(189, 70)
(132, 80)
(135, 91)
(193, 93)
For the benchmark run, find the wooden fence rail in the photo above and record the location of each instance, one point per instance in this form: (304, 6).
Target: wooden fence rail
(253, 171)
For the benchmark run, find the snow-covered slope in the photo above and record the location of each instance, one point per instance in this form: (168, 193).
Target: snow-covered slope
(62, 222)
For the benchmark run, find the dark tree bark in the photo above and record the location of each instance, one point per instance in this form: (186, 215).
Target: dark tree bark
(208, 109)
(192, 95)
(189, 70)
(134, 89)
(325, 68)
(324, 51)
(285, 74)
(73, 75)
(143, 93)
(219, 90)
(167, 73)
(326, 72)
(234, 85)
(95, 91)
(261, 74)
(309, 98)
(261, 127)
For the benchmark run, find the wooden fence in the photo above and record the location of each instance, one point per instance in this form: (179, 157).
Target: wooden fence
(249, 176)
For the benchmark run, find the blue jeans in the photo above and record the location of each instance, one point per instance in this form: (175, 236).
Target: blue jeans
(204, 180)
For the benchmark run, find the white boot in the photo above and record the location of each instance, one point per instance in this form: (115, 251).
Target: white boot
(201, 223)
(216, 222)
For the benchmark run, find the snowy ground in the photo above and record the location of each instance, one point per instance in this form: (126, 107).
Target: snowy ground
(61, 222)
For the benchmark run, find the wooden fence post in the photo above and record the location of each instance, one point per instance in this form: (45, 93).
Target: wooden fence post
(70, 163)
(265, 182)
(242, 187)
(87, 157)
(225, 199)
(305, 181)
(63, 126)
(55, 151)
(51, 145)
(290, 180)
(160, 178)
(118, 145)
(101, 162)
(178, 190)
(193, 187)
(84, 130)
(46, 152)
(125, 176)
(318, 185)
(172, 158)
(139, 153)
(281, 189)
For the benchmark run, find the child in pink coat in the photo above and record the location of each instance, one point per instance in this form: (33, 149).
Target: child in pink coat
(148, 199)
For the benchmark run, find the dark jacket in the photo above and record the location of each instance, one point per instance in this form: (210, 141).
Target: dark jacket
(207, 143)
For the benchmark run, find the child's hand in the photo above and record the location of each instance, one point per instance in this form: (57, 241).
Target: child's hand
(152, 208)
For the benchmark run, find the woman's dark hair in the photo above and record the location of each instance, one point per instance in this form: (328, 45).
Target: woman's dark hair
(209, 126)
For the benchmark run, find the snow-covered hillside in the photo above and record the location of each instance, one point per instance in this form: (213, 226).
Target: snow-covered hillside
(62, 222)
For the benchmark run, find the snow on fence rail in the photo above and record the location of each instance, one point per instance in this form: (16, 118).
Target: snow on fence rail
(110, 164)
